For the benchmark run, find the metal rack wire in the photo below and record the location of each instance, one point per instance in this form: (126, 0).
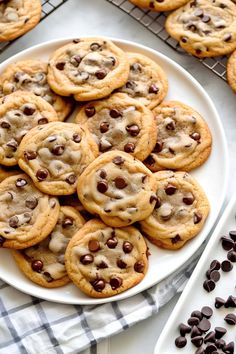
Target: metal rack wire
(154, 21)
(48, 6)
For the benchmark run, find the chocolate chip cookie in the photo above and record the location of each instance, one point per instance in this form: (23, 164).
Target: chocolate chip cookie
(183, 138)
(120, 123)
(55, 154)
(7, 172)
(20, 112)
(18, 17)
(44, 262)
(88, 68)
(204, 28)
(31, 75)
(104, 261)
(231, 71)
(27, 215)
(159, 5)
(180, 211)
(147, 82)
(117, 187)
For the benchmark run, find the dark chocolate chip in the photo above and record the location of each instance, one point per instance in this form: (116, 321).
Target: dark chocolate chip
(153, 89)
(86, 259)
(149, 160)
(13, 222)
(98, 284)
(37, 266)
(115, 282)
(215, 276)
(198, 51)
(118, 160)
(112, 242)
(60, 65)
(226, 266)
(158, 203)
(219, 302)
(198, 13)
(121, 264)
(94, 245)
(71, 179)
(232, 256)
(58, 150)
(227, 243)
(193, 321)
(170, 189)
(75, 60)
(219, 332)
(230, 318)
(197, 341)
(210, 348)
(102, 265)
(130, 84)
(129, 147)
(230, 302)
(76, 138)
(229, 348)
(103, 174)
(232, 234)
(5, 125)
(209, 285)
(28, 111)
(215, 265)
(184, 39)
(204, 325)
(210, 337)
(133, 129)
(67, 222)
(197, 314)
(183, 329)
(30, 155)
(95, 46)
(127, 246)
(102, 186)
(114, 113)
(42, 121)
(158, 147)
(175, 239)
(197, 217)
(220, 343)
(139, 267)
(153, 198)
(195, 332)
(21, 182)
(188, 200)
(101, 74)
(206, 311)
(200, 351)
(42, 174)
(206, 19)
(31, 202)
(104, 127)
(136, 67)
(120, 182)
(180, 342)
(170, 126)
(90, 111)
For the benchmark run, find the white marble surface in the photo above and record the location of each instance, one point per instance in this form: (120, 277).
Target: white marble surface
(98, 17)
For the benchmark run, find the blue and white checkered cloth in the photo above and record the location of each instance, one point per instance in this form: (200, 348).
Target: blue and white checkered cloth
(29, 325)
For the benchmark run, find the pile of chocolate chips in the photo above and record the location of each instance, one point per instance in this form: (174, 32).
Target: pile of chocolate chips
(211, 342)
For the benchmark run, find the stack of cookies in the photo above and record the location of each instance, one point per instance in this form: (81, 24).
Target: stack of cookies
(204, 28)
(78, 199)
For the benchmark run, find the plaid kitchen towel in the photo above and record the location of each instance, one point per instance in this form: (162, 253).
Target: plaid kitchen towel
(29, 325)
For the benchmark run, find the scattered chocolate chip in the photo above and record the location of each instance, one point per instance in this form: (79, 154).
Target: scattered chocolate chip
(210, 348)
(133, 129)
(67, 222)
(118, 160)
(229, 348)
(112, 242)
(58, 150)
(226, 266)
(188, 200)
(21, 182)
(183, 329)
(232, 256)
(219, 332)
(120, 182)
(42, 174)
(2, 240)
(60, 65)
(180, 342)
(215, 265)
(139, 267)
(227, 243)
(37, 266)
(200, 351)
(175, 239)
(115, 282)
(114, 113)
(193, 321)
(215, 276)
(197, 341)
(219, 302)
(76, 138)
(86, 259)
(197, 217)
(207, 311)
(42, 121)
(93, 245)
(209, 285)
(104, 127)
(102, 186)
(95, 46)
(204, 325)
(197, 314)
(98, 284)
(127, 247)
(153, 89)
(101, 74)
(170, 189)
(71, 179)
(31, 202)
(195, 332)
(230, 302)
(230, 318)
(158, 147)
(220, 343)
(5, 125)
(30, 155)
(232, 234)
(90, 111)
(121, 264)
(210, 337)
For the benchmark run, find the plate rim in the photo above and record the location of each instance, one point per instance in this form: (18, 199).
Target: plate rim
(204, 93)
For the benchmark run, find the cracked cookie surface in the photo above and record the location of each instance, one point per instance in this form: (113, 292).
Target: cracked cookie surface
(55, 154)
(117, 187)
(88, 68)
(31, 75)
(44, 262)
(120, 123)
(180, 211)
(204, 28)
(27, 215)
(104, 261)
(183, 138)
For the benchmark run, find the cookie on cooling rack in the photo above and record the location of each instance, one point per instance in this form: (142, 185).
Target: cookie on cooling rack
(159, 5)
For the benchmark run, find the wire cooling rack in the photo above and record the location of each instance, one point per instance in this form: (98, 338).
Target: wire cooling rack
(155, 22)
(48, 6)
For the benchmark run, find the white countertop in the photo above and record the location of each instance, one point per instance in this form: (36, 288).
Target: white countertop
(98, 17)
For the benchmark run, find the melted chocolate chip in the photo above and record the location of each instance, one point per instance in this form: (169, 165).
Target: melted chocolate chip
(101, 74)
(31, 202)
(153, 198)
(60, 65)
(114, 113)
(21, 182)
(206, 19)
(139, 267)
(153, 89)
(30, 155)
(188, 200)
(118, 160)
(104, 127)
(42, 121)
(5, 125)
(120, 183)
(102, 186)
(2, 240)
(133, 129)
(158, 203)
(175, 239)
(67, 222)
(93, 245)
(76, 138)
(121, 264)
(48, 277)
(158, 147)
(136, 67)
(115, 282)
(195, 136)
(129, 147)
(184, 39)
(102, 265)
(71, 179)
(95, 46)
(12, 144)
(170, 126)
(28, 111)
(86, 259)
(227, 37)
(90, 111)
(149, 160)
(198, 13)
(58, 150)
(170, 189)
(103, 174)
(112, 242)
(37, 266)
(42, 174)
(98, 285)
(127, 247)
(197, 217)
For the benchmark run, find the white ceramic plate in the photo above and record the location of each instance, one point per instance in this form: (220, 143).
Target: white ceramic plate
(212, 176)
(194, 297)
